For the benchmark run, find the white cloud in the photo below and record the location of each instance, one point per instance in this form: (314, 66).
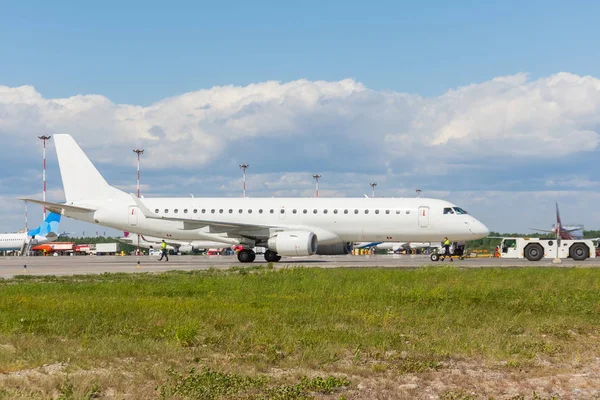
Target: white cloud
(506, 116)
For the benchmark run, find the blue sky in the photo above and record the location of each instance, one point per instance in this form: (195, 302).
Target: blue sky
(140, 52)
(482, 103)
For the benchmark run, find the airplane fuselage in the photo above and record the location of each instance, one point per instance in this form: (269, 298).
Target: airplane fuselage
(16, 241)
(331, 219)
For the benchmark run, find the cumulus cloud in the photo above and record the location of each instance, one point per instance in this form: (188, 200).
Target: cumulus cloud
(548, 117)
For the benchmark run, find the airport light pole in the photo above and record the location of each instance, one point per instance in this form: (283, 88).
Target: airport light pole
(138, 152)
(243, 167)
(317, 183)
(419, 192)
(44, 138)
(373, 188)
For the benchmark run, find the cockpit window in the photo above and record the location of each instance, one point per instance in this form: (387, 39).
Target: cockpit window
(448, 210)
(460, 210)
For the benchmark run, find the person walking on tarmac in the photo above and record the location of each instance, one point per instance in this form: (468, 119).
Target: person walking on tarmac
(164, 251)
(447, 249)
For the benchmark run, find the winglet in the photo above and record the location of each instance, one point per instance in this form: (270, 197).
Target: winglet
(145, 210)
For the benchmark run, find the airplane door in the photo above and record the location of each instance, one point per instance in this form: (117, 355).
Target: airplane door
(133, 215)
(424, 217)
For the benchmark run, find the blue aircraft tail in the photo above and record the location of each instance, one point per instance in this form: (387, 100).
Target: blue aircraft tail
(50, 225)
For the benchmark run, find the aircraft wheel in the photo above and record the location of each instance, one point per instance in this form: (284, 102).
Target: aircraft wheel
(246, 256)
(271, 256)
(534, 252)
(434, 257)
(579, 252)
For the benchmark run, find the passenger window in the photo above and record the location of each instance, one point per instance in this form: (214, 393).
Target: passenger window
(221, 211)
(166, 210)
(185, 211)
(230, 211)
(387, 211)
(282, 211)
(249, 211)
(315, 211)
(345, 211)
(325, 211)
(212, 211)
(398, 211)
(203, 210)
(156, 211)
(294, 211)
(376, 211)
(240, 211)
(260, 210)
(304, 211)
(366, 211)
(355, 211)
(271, 211)
(335, 211)
(407, 211)
(195, 211)
(175, 211)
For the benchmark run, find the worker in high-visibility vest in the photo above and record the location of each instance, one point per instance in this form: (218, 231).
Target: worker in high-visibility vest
(447, 249)
(164, 251)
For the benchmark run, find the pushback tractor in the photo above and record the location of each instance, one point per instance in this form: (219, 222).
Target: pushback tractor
(534, 249)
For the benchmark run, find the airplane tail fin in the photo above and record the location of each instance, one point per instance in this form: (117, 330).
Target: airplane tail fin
(81, 180)
(49, 226)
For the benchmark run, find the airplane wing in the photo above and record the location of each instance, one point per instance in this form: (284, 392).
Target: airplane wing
(57, 207)
(253, 231)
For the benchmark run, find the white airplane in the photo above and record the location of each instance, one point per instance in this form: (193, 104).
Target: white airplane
(46, 232)
(150, 242)
(285, 226)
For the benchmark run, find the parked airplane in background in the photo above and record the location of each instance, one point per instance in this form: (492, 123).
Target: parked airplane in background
(46, 232)
(285, 226)
(150, 242)
(566, 232)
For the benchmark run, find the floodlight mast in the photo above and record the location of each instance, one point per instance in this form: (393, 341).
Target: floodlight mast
(316, 177)
(138, 152)
(243, 167)
(44, 138)
(373, 184)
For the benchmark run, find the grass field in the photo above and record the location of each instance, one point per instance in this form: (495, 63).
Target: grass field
(295, 333)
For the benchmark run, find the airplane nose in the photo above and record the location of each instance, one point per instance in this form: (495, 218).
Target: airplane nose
(479, 229)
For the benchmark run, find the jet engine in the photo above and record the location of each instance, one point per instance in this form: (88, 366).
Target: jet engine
(340, 248)
(186, 248)
(293, 243)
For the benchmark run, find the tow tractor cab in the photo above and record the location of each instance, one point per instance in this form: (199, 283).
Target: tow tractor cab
(534, 249)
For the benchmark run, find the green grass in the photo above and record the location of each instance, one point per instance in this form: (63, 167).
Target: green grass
(374, 319)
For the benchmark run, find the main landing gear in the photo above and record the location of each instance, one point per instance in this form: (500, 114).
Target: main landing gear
(248, 256)
(271, 256)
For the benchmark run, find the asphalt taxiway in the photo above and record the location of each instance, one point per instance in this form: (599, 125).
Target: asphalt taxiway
(61, 266)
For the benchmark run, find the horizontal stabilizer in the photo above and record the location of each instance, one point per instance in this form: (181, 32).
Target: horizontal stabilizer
(57, 207)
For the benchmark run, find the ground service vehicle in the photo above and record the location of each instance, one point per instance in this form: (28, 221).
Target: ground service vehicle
(534, 249)
(104, 249)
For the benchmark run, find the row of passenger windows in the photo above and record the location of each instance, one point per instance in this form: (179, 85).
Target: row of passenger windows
(282, 211)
